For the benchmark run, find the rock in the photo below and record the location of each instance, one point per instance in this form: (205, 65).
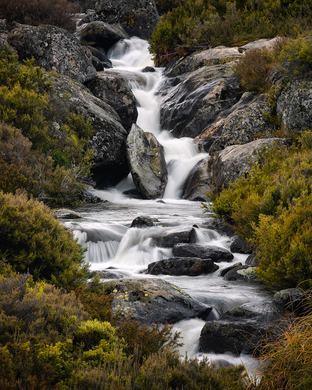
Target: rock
(198, 182)
(226, 270)
(97, 64)
(100, 54)
(148, 69)
(245, 122)
(110, 274)
(169, 239)
(190, 266)
(109, 139)
(239, 245)
(235, 161)
(53, 49)
(240, 329)
(3, 25)
(67, 214)
(219, 226)
(137, 17)
(203, 252)
(290, 299)
(142, 222)
(242, 273)
(204, 93)
(151, 301)
(134, 193)
(252, 260)
(102, 34)
(294, 106)
(112, 88)
(147, 163)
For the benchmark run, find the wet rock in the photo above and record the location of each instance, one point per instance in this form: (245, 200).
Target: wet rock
(240, 329)
(133, 194)
(198, 182)
(239, 245)
(102, 34)
(53, 49)
(235, 161)
(67, 214)
(190, 266)
(110, 274)
(227, 269)
(220, 226)
(210, 89)
(151, 301)
(252, 260)
(109, 139)
(169, 239)
(101, 55)
(203, 252)
(290, 299)
(142, 222)
(148, 69)
(147, 163)
(112, 88)
(242, 273)
(137, 17)
(97, 64)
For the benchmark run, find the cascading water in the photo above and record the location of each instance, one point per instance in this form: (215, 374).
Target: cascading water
(105, 229)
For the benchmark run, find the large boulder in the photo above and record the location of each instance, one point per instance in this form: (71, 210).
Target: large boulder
(53, 49)
(190, 266)
(147, 163)
(235, 161)
(192, 105)
(152, 301)
(198, 182)
(171, 238)
(212, 252)
(240, 329)
(242, 273)
(112, 88)
(101, 34)
(137, 17)
(109, 139)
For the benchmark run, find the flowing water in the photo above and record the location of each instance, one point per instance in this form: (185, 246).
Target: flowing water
(105, 228)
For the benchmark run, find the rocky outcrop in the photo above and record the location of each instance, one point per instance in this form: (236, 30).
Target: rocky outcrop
(113, 89)
(190, 266)
(210, 89)
(101, 34)
(294, 106)
(137, 17)
(240, 329)
(203, 252)
(152, 301)
(109, 139)
(147, 163)
(53, 49)
(198, 182)
(235, 161)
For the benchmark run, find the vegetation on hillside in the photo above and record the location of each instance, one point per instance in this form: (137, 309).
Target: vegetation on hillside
(202, 24)
(48, 164)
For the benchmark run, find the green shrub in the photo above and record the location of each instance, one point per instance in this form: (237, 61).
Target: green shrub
(35, 241)
(271, 207)
(298, 54)
(35, 12)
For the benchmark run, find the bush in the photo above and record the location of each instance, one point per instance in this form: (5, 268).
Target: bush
(35, 241)
(204, 23)
(59, 13)
(272, 207)
(298, 54)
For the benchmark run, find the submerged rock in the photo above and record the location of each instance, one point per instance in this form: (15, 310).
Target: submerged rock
(147, 163)
(203, 252)
(142, 222)
(190, 266)
(152, 301)
(53, 49)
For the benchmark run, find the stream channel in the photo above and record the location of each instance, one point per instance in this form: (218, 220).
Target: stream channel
(105, 228)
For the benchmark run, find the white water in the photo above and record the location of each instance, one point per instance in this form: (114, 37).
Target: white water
(105, 231)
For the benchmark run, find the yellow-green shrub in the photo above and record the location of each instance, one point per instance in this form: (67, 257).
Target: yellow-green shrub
(272, 208)
(35, 241)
